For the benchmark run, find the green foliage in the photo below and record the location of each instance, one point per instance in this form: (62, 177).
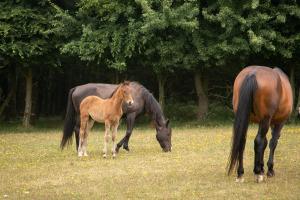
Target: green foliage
(108, 32)
(252, 27)
(24, 31)
(166, 32)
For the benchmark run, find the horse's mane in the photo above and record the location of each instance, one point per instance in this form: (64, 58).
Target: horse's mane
(152, 106)
(124, 83)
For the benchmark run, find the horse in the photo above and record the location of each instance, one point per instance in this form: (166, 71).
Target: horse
(264, 96)
(108, 111)
(144, 101)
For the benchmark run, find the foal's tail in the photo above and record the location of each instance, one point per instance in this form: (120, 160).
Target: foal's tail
(241, 121)
(70, 121)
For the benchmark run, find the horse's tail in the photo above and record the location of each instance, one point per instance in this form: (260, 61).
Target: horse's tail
(241, 121)
(70, 121)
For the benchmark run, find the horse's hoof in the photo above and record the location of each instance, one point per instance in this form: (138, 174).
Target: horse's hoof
(259, 178)
(114, 156)
(80, 154)
(85, 155)
(104, 156)
(239, 180)
(270, 173)
(126, 148)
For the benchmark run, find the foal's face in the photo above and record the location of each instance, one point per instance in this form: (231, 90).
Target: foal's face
(163, 136)
(127, 95)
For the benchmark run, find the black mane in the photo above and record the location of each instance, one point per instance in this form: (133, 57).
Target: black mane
(153, 107)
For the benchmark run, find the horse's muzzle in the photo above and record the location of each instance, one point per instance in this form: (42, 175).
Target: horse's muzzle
(130, 103)
(167, 149)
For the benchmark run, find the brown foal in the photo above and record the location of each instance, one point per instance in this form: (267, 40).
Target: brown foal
(107, 111)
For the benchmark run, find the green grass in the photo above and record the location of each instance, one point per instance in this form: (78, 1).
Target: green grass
(33, 167)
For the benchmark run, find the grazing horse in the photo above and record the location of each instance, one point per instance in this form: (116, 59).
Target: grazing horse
(262, 95)
(143, 101)
(108, 111)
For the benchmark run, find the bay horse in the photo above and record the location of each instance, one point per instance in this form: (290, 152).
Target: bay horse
(107, 111)
(144, 101)
(262, 95)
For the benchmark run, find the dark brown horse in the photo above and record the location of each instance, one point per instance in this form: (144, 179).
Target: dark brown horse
(144, 101)
(262, 95)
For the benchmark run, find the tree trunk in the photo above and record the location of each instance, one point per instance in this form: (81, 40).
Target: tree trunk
(161, 90)
(202, 98)
(28, 98)
(10, 100)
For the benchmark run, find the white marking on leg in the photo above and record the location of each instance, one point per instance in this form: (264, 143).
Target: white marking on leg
(239, 180)
(80, 152)
(114, 134)
(259, 178)
(106, 138)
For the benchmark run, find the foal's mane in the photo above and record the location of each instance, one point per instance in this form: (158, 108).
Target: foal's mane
(121, 84)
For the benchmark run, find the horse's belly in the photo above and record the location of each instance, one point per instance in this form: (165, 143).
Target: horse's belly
(97, 117)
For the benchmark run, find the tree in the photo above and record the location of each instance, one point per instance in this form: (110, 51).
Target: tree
(25, 40)
(106, 32)
(166, 28)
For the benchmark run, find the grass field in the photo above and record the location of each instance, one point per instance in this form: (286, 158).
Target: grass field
(33, 167)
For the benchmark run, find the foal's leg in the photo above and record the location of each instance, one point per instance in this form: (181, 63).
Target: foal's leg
(273, 143)
(83, 125)
(113, 137)
(90, 124)
(260, 144)
(106, 138)
(130, 118)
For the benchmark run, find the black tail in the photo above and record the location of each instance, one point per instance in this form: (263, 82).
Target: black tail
(241, 121)
(70, 121)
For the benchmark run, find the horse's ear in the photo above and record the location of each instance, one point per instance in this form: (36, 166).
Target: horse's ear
(167, 122)
(126, 82)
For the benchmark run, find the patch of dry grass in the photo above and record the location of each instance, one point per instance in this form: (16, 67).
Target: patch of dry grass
(33, 167)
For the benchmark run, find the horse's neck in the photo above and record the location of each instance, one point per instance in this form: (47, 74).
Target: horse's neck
(117, 100)
(154, 111)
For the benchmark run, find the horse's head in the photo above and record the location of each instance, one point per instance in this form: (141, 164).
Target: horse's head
(163, 136)
(126, 91)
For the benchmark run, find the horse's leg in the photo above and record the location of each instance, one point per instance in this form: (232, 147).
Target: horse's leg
(83, 124)
(273, 143)
(90, 124)
(106, 138)
(260, 144)
(130, 118)
(76, 129)
(113, 138)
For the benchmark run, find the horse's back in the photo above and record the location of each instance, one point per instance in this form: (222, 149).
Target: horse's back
(272, 98)
(105, 91)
